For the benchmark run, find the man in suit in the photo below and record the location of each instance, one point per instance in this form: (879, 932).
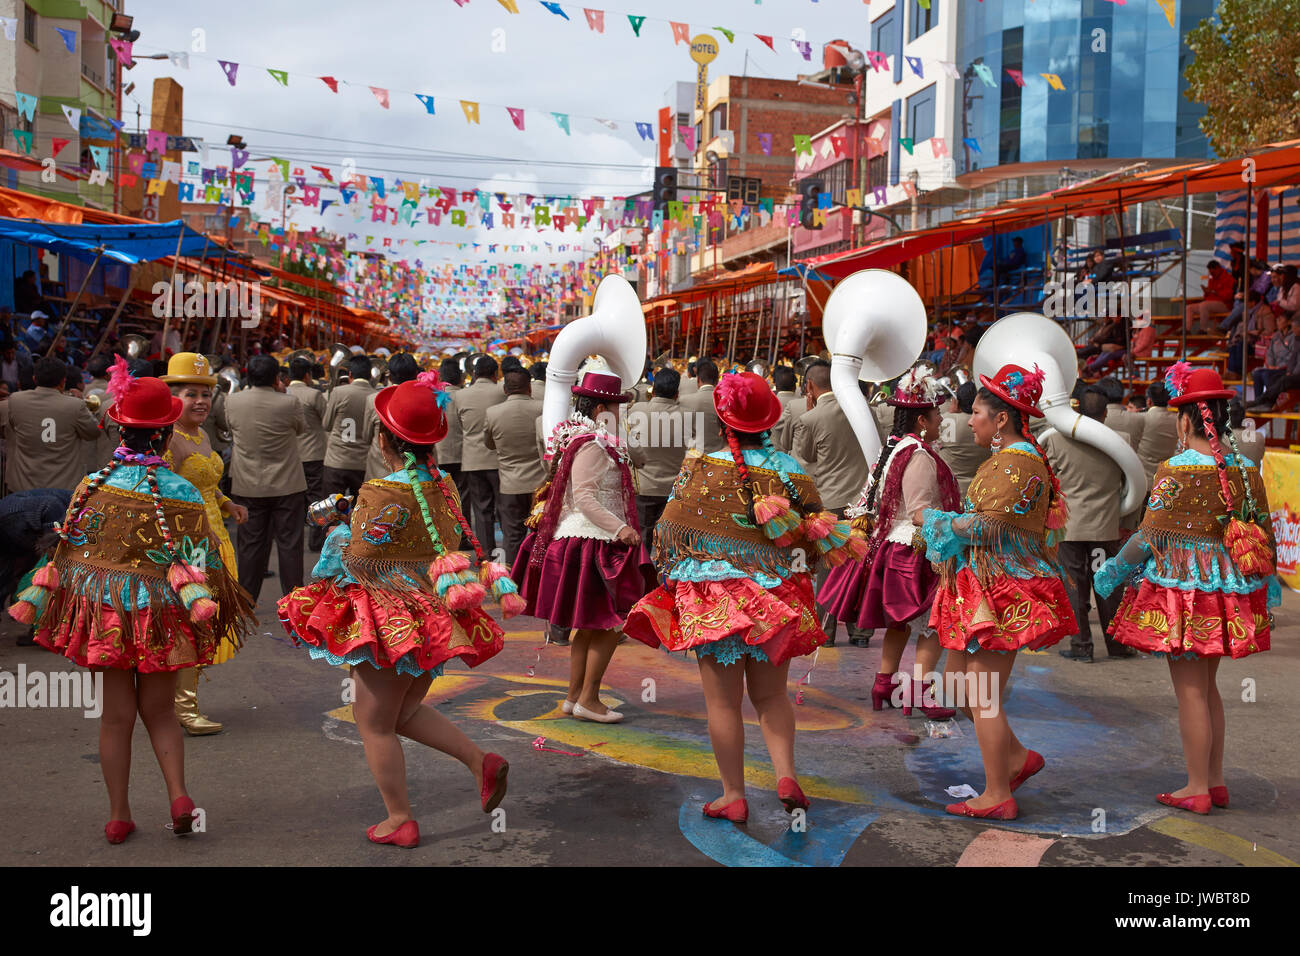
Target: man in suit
(824, 439)
(689, 384)
(509, 430)
(478, 462)
(1118, 417)
(1089, 481)
(267, 476)
(658, 438)
(537, 373)
(311, 443)
(705, 432)
(46, 432)
(784, 383)
(958, 448)
(1159, 431)
(1250, 441)
(349, 430)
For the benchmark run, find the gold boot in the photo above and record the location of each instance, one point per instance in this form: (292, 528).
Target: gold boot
(187, 705)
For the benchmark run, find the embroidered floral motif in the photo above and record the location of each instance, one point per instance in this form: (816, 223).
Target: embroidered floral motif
(1029, 497)
(392, 517)
(86, 527)
(1162, 495)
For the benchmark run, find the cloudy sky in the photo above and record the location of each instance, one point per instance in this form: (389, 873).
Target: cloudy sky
(534, 60)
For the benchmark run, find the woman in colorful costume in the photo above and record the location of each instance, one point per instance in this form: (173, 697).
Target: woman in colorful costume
(736, 547)
(895, 585)
(135, 592)
(190, 455)
(581, 566)
(395, 604)
(1199, 574)
(1001, 587)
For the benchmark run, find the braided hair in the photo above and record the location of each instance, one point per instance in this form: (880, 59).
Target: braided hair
(1020, 423)
(412, 454)
(905, 420)
(1209, 420)
(140, 446)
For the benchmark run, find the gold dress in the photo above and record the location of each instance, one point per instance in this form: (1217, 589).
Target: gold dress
(204, 473)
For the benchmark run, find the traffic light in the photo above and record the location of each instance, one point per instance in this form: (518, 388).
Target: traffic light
(809, 189)
(665, 187)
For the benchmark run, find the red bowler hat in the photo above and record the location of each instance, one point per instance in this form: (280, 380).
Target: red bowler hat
(145, 403)
(607, 388)
(1187, 384)
(413, 411)
(1018, 387)
(746, 403)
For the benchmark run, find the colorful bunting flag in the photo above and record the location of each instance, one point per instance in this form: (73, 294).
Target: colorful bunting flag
(381, 95)
(681, 33)
(1053, 81)
(636, 23)
(1016, 76)
(555, 8)
(907, 143)
(24, 139)
(10, 25)
(950, 68)
(983, 71)
(802, 144)
(179, 58)
(509, 5)
(973, 143)
(939, 146)
(427, 100)
(69, 38)
(562, 121)
(767, 40)
(57, 145)
(645, 130)
(729, 34)
(230, 68)
(281, 76)
(332, 83)
(687, 133)
(878, 59)
(595, 19)
(155, 141)
(26, 105)
(1167, 6)
(471, 110)
(915, 63)
(123, 50)
(73, 116)
(765, 143)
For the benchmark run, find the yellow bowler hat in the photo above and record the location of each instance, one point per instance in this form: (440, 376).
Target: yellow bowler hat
(189, 368)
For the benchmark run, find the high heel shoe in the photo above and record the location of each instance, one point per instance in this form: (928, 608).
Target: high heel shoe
(182, 812)
(118, 830)
(495, 769)
(737, 811)
(1219, 796)
(1196, 803)
(882, 691)
(406, 836)
(1006, 810)
(1034, 762)
(919, 694)
(790, 794)
(608, 717)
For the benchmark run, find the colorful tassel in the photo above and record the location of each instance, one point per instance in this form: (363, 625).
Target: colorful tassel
(768, 507)
(511, 604)
(452, 562)
(817, 526)
(834, 539)
(181, 573)
(202, 609)
(778, 521)
(24, 612)
(46, 576)
(192, 592)
(490, 571)
(1247, 544)
(464, 597)
(1058, 514)
(38, 597)
(862, 525)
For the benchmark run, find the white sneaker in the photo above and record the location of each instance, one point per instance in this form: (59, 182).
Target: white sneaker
(610, 717)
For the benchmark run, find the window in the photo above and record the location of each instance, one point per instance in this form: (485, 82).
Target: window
(878, 172)
(717, 119)
(29, 24)
(920, 115)
(919, 19)
(683, 119)
(882, 33)
(836, 178)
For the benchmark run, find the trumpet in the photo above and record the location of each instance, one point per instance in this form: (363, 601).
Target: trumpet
(94, 400)
(330, 510)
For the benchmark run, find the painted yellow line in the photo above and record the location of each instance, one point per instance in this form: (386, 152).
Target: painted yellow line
(1212, 838)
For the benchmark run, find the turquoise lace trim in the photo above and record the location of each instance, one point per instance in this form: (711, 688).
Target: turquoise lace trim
(758, 458)
(729, 650)
(689, 569)
(1191, 458)
(330, 562)
(363, 655)
(1025, 447)
(944, 542)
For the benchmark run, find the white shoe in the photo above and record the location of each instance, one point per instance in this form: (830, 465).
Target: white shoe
(610, 717)
(566, 707)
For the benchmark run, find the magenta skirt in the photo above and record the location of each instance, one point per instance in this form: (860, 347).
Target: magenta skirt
(899, 585)
(582, 582)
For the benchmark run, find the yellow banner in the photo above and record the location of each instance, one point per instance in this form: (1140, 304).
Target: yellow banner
(1281, 473)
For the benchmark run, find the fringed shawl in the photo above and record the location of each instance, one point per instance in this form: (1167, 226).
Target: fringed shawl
(390, 549)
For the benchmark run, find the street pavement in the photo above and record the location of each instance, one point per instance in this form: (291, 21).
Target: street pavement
(286, 782)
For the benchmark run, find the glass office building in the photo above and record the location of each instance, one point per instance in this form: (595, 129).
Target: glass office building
(1121, 66)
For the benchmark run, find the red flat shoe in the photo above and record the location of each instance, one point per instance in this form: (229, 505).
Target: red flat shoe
(789, 793)
(1196, 803)
(737, 811)
(1006, 810)
(118, 830)
(1219, 796)
(182, 815)
(1033, 763)
(495, 769)
(406, 836)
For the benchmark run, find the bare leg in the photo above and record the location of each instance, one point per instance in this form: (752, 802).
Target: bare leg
(724, 690)
(423, 723)
(928, 650)
(156, 700)
(1191, 680)
(892, 649)
(380, 692)
(767, 692)
(956, 684)
(579, 645)
(598, 658)
(992, 730)
(1216, 724)
(116, 724)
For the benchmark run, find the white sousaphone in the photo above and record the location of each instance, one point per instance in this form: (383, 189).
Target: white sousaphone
(874, 325)
(615, 331)
(1028, 339)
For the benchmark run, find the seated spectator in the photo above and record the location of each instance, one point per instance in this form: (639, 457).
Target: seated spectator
(27, 296)
(15, 368)
(1281, 350)
(1217, 301)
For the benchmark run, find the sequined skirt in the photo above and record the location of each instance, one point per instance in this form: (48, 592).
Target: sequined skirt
(1166, 620)
(1006, 614)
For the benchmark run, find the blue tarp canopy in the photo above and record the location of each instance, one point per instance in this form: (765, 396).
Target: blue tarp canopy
(128, 243)
(804, 272)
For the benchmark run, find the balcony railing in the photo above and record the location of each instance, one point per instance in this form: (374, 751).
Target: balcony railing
(90, 73)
